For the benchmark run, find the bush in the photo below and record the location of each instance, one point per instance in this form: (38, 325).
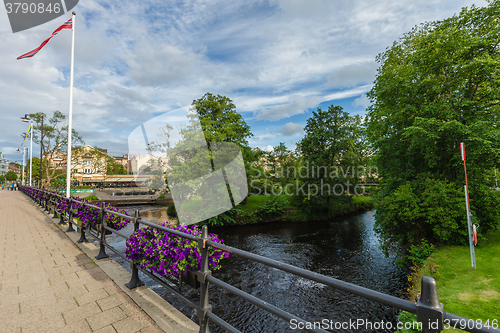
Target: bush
(228, 217)
(92, 197)
(171, 211)
(417, 254)
(274, 205)
(161, 196)
(426, 208)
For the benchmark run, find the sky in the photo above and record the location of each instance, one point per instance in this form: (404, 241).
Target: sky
(277, 60)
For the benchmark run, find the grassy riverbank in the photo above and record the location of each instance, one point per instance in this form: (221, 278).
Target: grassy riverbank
(464, 291)
(258, 209)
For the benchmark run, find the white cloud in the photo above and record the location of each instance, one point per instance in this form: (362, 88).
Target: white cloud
(290, 129)
(361, 101)
(353, 74)
(297, 104)
(348, 93)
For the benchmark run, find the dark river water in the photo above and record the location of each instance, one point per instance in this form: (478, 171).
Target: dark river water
(344, 248)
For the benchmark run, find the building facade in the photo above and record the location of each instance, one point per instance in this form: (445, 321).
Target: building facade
(88, 164)
(4, 165)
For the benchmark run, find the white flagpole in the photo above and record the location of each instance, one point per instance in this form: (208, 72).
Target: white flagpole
(31, 152)
(68, 160)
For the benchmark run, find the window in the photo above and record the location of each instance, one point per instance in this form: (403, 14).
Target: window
(75, 161)
(87, 162)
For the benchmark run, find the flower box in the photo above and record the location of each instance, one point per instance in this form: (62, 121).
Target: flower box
(169, 255)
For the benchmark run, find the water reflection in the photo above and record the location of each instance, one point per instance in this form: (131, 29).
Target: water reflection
(346, 249)
(157, 214)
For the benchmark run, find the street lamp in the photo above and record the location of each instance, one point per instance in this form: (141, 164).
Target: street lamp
(25, 119)
(24, 149)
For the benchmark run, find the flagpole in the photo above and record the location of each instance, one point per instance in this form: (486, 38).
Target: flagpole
(31, 152)
(69, 161)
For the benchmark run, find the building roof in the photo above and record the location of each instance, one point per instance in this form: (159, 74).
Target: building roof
(15, 169)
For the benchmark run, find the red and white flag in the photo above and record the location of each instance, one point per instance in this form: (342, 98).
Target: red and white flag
(67, 25)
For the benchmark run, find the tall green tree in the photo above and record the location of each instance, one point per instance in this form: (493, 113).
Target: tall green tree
(329, 151)
(54, 140)
(219, 120)
(35, 166)
(437, 86)
(11, 176)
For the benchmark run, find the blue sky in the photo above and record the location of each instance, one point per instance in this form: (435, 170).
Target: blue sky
(277, 60)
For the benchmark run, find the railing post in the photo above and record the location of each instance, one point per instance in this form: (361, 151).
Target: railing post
(82, 239)
(102, 249)
(135, 281)
(47, 203)
(61, 219)
(70, 216)
(202, 277)
(54, 206)
(429, 310)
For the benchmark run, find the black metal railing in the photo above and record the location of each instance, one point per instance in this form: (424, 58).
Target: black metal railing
(428, 309)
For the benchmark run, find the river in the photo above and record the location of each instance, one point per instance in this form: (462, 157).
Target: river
(343, 248)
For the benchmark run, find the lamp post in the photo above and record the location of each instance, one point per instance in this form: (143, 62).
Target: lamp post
(22, 170)
(26, 119)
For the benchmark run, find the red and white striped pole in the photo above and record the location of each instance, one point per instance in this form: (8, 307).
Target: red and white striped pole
(467, 205)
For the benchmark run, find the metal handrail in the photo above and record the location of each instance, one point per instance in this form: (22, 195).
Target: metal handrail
(428, 308)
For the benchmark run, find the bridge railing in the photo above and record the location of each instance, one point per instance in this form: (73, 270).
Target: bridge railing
(428, 309)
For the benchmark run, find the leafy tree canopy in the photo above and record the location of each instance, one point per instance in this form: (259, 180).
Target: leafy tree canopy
(11, 176)
(54, 140)
(436, 87)
(220, 121)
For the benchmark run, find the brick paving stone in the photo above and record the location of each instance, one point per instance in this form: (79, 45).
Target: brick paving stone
(107, 329)
(129, 324)
(106, 318)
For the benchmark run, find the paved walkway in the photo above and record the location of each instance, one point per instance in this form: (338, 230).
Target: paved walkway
(47, 284)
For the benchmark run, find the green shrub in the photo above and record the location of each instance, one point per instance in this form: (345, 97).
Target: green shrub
(226, 218)
(92, 197)
(273, 206)
(161, 196)
(417, 254)
(426, 208)
(171, 211)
